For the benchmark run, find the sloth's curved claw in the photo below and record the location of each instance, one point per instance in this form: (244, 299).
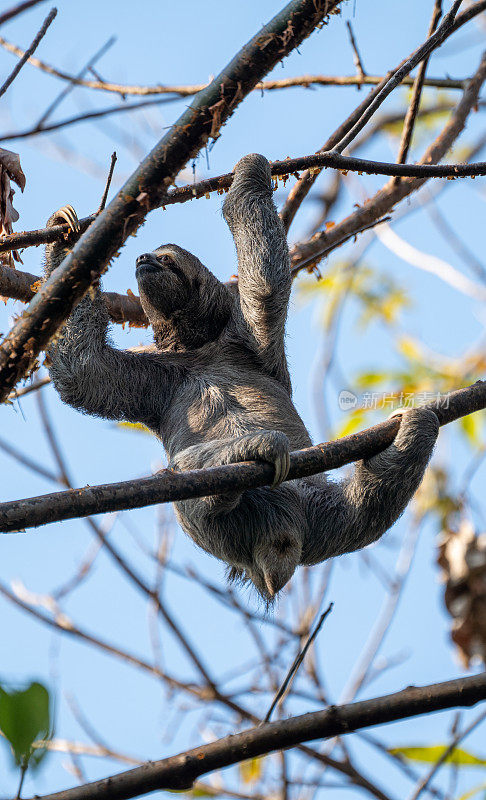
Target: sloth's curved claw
(65, 214)
(282, 466)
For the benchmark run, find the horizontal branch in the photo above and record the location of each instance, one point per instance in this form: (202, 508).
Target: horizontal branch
(122, 308)
(188, 90)
(179, 772)
(167, 485)
(289, 166)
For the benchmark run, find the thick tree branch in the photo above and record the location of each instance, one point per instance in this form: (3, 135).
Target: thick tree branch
(121, 308)
(179, 772)
(168, 486)
(201, 122)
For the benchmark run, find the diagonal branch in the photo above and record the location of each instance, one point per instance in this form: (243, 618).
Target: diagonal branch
(201, 122)
(412, 111)
(14, 11)
(166, 486)
(179, 772)
(349, 129)
(33, 47)
(386, 198)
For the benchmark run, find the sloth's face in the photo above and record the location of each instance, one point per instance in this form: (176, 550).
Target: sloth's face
(168, 279)
(181, 298)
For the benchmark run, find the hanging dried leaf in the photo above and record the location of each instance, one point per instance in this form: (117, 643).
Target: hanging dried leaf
(10, 170)
(462, 558)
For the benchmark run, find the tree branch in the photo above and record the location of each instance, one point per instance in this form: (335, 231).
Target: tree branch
(187, 91)
(179, 772)
(202, 121)
(166, 486)
(121, 308)
(33, 47)
(386, 198)
(14, 11)
(289, 166)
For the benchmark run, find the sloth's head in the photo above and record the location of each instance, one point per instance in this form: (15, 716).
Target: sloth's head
(185, 303)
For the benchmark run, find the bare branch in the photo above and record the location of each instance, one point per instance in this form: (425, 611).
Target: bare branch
(169, 486)
(296, 664)
(179, 772)
(108, 183)
(460, 735)
(69, 88)
(14, 11)
(387, 197)
(33, 47)
(413, 107)
(121, 308)
(285, 168)
(304, 80)
(360, 70)
(443, 31)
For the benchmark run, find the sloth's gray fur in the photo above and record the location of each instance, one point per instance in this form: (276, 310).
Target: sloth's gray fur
(216, 390)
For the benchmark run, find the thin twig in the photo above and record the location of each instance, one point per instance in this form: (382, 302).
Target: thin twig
(14, 11)
(69, 88)
(360, 70)
(412, 111)
(387, 197)
(431, 43)
(84, 117)
(23, 770)
(296, 664)
(33, 47)
(34, 387)
(108, 182)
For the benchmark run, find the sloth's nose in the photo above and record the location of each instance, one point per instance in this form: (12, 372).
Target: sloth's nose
(144, 257)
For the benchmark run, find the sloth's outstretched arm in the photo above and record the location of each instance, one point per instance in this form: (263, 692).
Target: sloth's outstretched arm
(343, 517)
(263, 260)
(87, 371)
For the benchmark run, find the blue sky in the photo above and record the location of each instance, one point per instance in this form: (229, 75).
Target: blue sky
(187, 43)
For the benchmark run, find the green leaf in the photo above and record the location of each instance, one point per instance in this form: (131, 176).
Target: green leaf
(24, 717)
(429, 755)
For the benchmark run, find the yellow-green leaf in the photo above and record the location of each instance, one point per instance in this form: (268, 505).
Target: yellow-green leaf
(472, 427)
(472, 792)
(429, 755)
(134, 426)
(251, 770)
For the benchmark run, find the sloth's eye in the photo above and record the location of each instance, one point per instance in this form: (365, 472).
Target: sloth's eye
(165, 259)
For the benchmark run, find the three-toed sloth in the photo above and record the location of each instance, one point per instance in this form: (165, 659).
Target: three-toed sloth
(216, 390)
